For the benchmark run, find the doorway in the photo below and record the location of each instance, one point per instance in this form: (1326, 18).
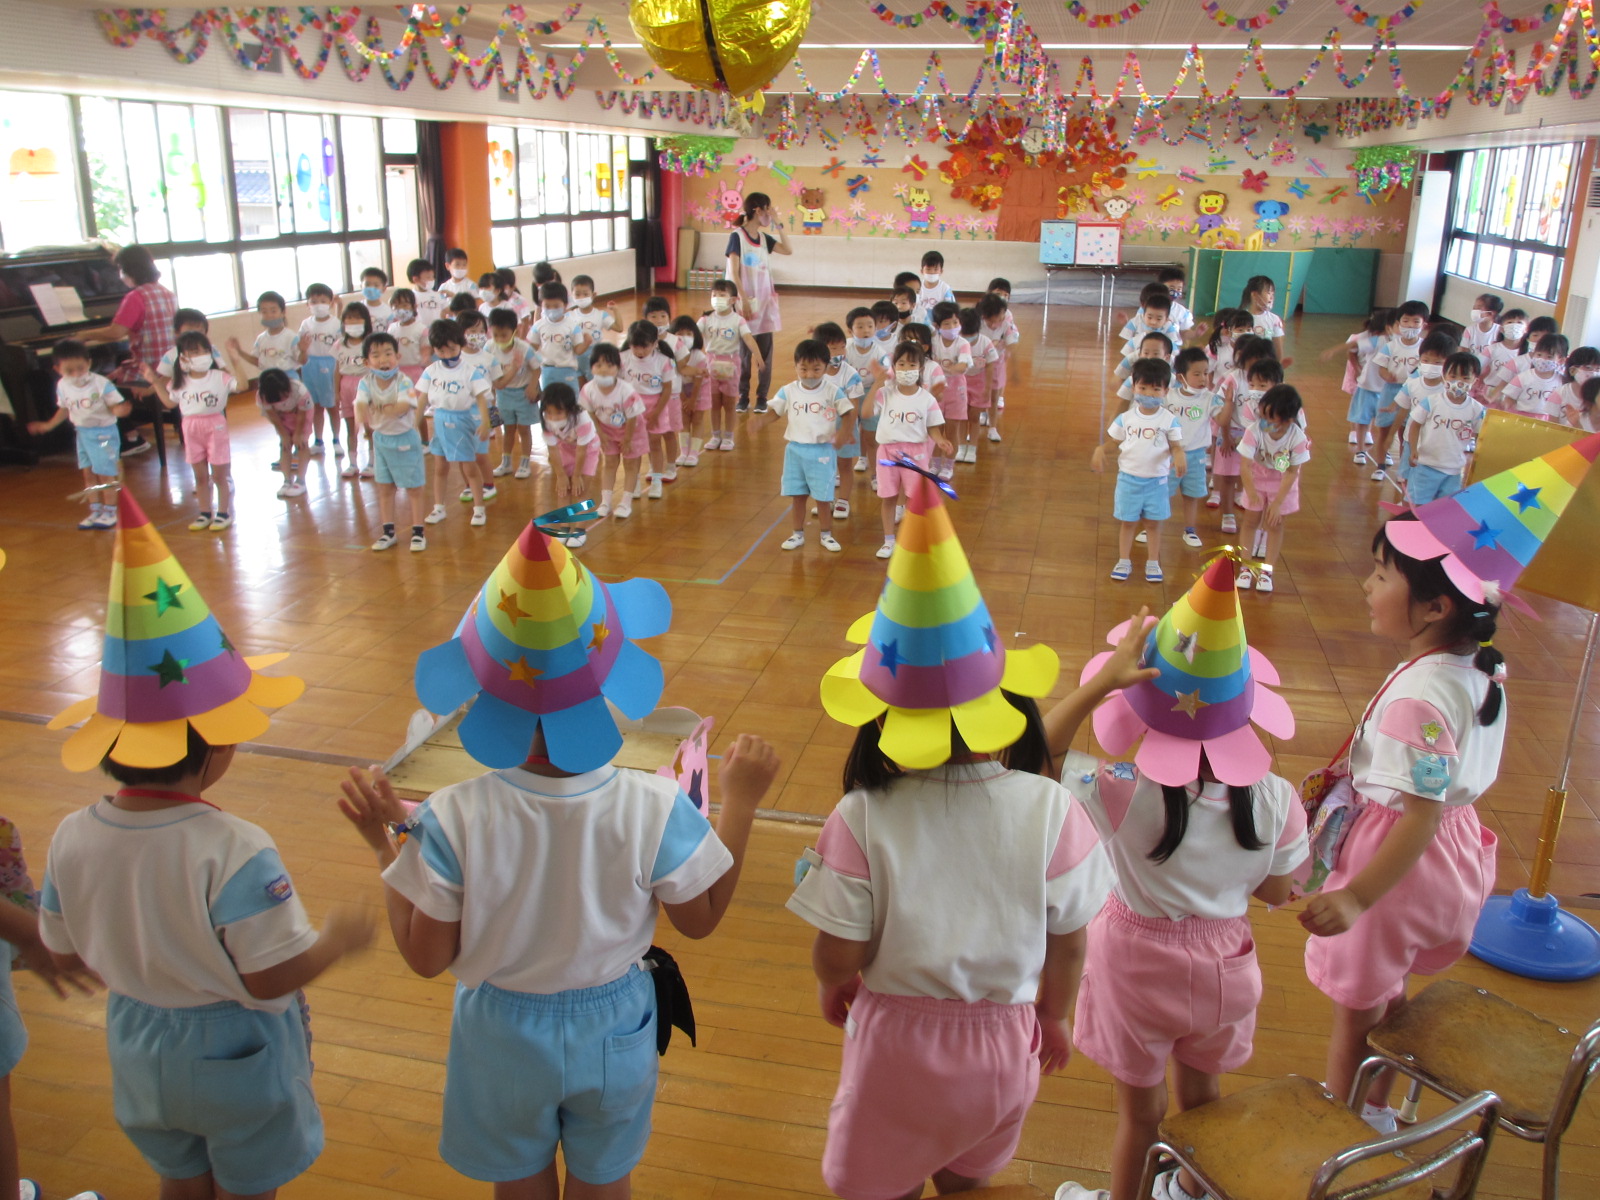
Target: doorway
(405, 242)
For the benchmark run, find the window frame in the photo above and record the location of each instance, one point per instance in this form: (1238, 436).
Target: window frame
(618, 218)
(1481, 245)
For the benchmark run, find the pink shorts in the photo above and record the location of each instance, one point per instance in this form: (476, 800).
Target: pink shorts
(612, 443)
(205, 440)
(953, 404)
(727, 382)
(928, 1085)
(1421, 925)
(1155, 989)
(1268, 483)
(702, 395)
(1224, 462)
(997, 375)
(295, 424)
(347, 396)
(663, 413)
(569, 458)
(978, 390)
(920, 453)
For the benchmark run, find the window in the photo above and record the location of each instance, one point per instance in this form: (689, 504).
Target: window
(554, 194)
(39, 191)
(235, 201)
(1510, 214)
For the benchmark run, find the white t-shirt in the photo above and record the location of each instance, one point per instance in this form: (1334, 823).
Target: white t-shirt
(1146, 440)
(515, 304)
(1442, 432)
(650, 375)
(1416, 390)
(983, 352)
(554, 339)
(1181, 317)
(169, 907)
(1137, 329)
(1422, 737)
(413, 339)
(325, 335)
(595, 321)
(928, 298)
(380, 313)
(957, 874)
(906, 420)
(88, 404)
(205, 396)
(352, 360)
(452, 388)
(814, 414)
(573, 431)
(1504, 363)
(723, 333)
(614, 406)
(954, 356)
(280, 350)
(1292, 449)
(1535, 394)
(517, 362)
(374, 392)
(866, 362)
(1209, 875)
(1479, 341)
(1267, 324)
(845, 378)
(1398, 357)
(1367, 347)
(298, 399)
(1194, 412)
(1004, 334)
(432, 304)
(452, 286)
(555, 881)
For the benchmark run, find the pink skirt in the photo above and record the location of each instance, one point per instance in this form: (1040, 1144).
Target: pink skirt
(615, 442)
(1224, 462)
(1268, 484)
(1421, 926)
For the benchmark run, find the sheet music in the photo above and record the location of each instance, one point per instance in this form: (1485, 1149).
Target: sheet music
(58, 305)
(71, 304)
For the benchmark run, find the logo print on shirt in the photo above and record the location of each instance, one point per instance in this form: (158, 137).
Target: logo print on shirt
(280, 889)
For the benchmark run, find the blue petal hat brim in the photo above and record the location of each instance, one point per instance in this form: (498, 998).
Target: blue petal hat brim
(635, 683)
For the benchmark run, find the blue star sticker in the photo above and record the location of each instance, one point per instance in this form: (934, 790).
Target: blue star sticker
(1525, 497)
(989, 638)
(889, 653)
(1484, 536)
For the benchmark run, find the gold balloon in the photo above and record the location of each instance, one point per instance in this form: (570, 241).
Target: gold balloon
(750, 40)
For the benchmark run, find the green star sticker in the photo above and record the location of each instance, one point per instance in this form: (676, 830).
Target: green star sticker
(165, 596)
(170, 669)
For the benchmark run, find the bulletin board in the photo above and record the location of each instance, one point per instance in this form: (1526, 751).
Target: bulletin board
(1099, 243)
(1058, 243)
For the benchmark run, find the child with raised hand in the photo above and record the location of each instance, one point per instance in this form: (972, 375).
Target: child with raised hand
(374, 285)
(1482, 329)
(846, 378)
(648, 365)
(724, 331)
(596, 322)
(819, 419)
(286, 403)
(276, 347)
(350, 355)
(907, 414)
(619, 419)
(1534, 391)
(1260, 294)
(574, 446)
(92, 403)
(1195, 826)
(1274, 448)
(1195, 403)
(1150, 440)
(456, 394)
(953, 353)
(694, 387)
(317, 355)
(1442, 431)
(950, 887)
(1515, 364)
(514, 364)
(409, 332)
(386, 407)
(1001, 331)
(199, 391)
(185, 320)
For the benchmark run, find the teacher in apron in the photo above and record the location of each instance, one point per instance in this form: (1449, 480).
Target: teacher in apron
(749, 248)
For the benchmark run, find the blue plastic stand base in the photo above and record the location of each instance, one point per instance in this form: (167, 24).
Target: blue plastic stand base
(1534, 937)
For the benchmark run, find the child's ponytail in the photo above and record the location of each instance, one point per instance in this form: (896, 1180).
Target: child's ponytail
(1241, 815)
(1489, 660)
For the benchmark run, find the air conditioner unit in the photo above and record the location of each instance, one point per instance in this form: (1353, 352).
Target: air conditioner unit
(1594, 191)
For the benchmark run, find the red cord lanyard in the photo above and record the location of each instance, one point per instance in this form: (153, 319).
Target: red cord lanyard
(164, 794)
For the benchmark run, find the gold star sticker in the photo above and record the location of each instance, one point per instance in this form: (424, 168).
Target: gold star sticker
(508, 605)
(601, 633)
(521, 672)
(1190, 703)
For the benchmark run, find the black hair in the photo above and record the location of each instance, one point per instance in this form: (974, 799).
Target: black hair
(1155, 295)
(918, 332)
(503, 318)
(270, 298)
(726, 286)
(1162, 339)
(1413, 308)
(1554, 344)
(272, 385)
(1470, 620)
(1151, 372)
(1267, 370)
(1589, 392)
(904, 280)
(943, 311)
(868, 767)
(754, 201)
(903, 292)
(811, 350)
(1513, 314)
(884, 310)
(189, 316)
(1491, 302)
(1464, 362)
(417, 266)
(911, 351)
(991, 306)
(583, 281)
(455, 253)
(560, 397)
(193, 342)
(1176, 800)
(1256, 283)
(405, 295)
(1583, 356)
(829, 333)
(319, 289)
(1537, 328)
(379, 339)
(606, 352)
(1221, 327)
(657, 304)
(137, 264)
(1243, 318)
(855, 314)
(1378, 320)
(544, 273)
(488, 281)
(1252, 349)
(463, 302)
(506, 278)
(999, 284)
(1442, 344)
(1170, 275)
(932, 258)
(445, 332)
(73, 349)
(1281, 402)
(379, 272)
(194, 758)
(642, 333)
(358, 309)
(1188, 358)
(554, 290)
(971, 322)
(687, 326)
(471, 318)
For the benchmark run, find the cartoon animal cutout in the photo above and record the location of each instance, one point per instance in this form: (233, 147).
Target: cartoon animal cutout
(1116, 208)
(1210, 205)
(810, 209)
(691, 765)
(919, 207)
(730, 203)
(1269, 218)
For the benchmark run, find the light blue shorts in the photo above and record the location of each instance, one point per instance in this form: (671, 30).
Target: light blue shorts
(455, 434)
(98, 449)
(1429, 483)
(852, 448)
(1141, 498)
(870, 424)
(1192, 483)
(566, 375)
(13, 1033)
(317, 373)
(585, 361)
(1363, 406)
(808, 469)
(528, 1072)
(1403, 471)
(1384, 417)
(398, 459)
(515, 407)
(219, 1088)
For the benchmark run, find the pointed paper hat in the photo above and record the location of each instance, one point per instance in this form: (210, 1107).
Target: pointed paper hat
(1209, 691)
(1488, 533)
(545, 645)
(167, 665)
(931, 652)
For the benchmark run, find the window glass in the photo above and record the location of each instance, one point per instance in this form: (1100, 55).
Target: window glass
(399, 135)
(533, 244)
(211, 182)
(620, 232)
(1512, 214)
(255, 183)
(530, 171)
(636, 191)
(111, 201)
(205, 281)
(582, 239)
(555, 240)
(553, 177)
(143, 147)
(601, 235)
(180, 173)
(322, 264)
(274, 270)
(363, 171)
(367, 254)
(638, 149)
(504, 245)
(502, 174)
(619, 173)
(313, 185)
(39, 193)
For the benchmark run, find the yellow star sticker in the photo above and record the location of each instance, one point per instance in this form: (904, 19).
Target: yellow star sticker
(508, 605)
(521, 672)
(601, 633)
(1190, 703)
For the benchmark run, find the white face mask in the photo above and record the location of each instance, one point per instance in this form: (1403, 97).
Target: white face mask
(475, 341)
(1408, 334)
(1514, 331)
(907, 377)
(1479, 316)
(458, 272)
(321, 311)
(404, 315)
(930, 279)
(606, 381)
(1255, 394)
(949, 335)
(583, 302)
(195, 364)
(1579, 374)
(1432, 372)
(811, 385)
(355, 329)
(554, 314)
(721, 304)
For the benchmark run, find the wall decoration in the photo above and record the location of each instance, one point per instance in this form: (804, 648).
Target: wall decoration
(1384, 168)
(1147, 168)
(857, 184)
(1253, 181)
(915, 166)
(1209, 207)
(919, 208)
(872, 160)
(692, 155)
(782, 170)
(1190, 175)
(733, 46)
(1300, 188)
(1170, 198)
(730, 204)
(1269, 218)
(810, 210)
(1099, 244)
(1117, 208)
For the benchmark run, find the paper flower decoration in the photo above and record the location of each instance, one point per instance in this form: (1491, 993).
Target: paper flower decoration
(167, 665)
(543, 647)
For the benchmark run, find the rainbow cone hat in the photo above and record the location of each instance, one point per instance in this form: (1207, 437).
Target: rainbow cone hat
(167, 665)
(1209, 691)
(931, 654)
(545, 645)
(1488, 533)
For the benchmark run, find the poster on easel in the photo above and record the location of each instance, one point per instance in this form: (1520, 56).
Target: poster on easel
(1058, 243)
(1099, 243)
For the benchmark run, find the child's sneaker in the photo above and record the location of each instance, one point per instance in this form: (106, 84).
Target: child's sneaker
(1167, 1187)
(1214, 500)
(524, 468)
(1388, 460)
(1245, 581)
(861, 466)
(624, 510)
(1191, 538)
(727, 443)
(604, 509)
(1385, 1120)
(505, 466)
(715, 442)
(670, 475)
(350, 471)
(841, 510)
(1361, 458)
(92, 521)
(761, 408)
(983, 416)
(366, 472)
(683, 459)
(108, 517)
(220, 522)
(654, 490)
(887, 549)
(1258, 549)
(1122, 570)
(385, 542)
(578, 542)
(1230, 524)
(1152, 572)
(689, 460)
(490, 492)
(994, 434)
(466, 495)
(1369, 437)
(1142, 536)
(203, 521)
(1264, 584)
(1377, 476)
(899, 513)
(1354, 437)
(1076, 1191)
(439, 513)
(419, 542)
(294, 489)
(337, 449)
(316, 448)
(794, 541)
(283, 492)
(829, 542)
(480, 515)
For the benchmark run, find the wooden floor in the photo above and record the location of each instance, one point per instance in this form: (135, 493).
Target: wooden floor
(744, 1114)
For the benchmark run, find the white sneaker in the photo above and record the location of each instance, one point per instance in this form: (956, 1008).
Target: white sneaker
(366, 472)
(994, 434)
(1264, 584)
(794, 541)
(727, 443)
(1245, 581)
(480, 515)
(385, 542)
(297, 489)
(670, 475)
(504, 468)
(983, 416)
(439, 513)
(418, 543)
(92, 521)
(1361, 458)
(1369, 437)
(1122, 569)
(1141, 537)
(841, 510)
(829, 542)
(683, 460)
(1388, 460)
(1378, 476)
(1353, 437)
(1167, 1187)
(1386, 1121)
(715, 443)
(689, 460)
(316, 448)
(624, 510)
(284, 493)
(107, 518)
(350, 471)
(1076, 1191)
(654, 490)
(1214, 500)
(466, 495)
(524, 469)
(861, 466)
(220, 522)
(874, 485)
(1230, 524)
(489, 493)
(1191, 539)
(577, 543)
(887, 549)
